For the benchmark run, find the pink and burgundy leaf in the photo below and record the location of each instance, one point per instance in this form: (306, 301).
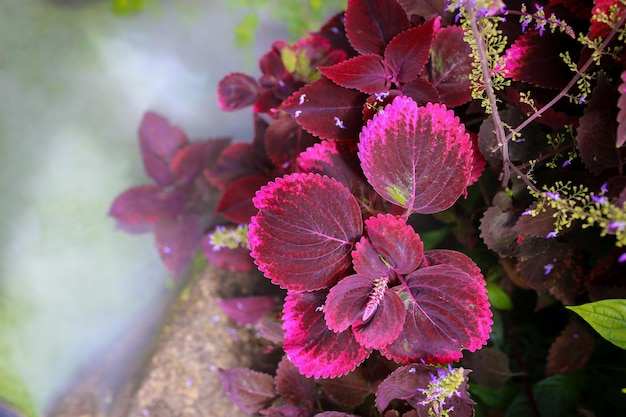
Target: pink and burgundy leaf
(408, 52)
(371, 24)
(305, 229)
(447, 311)
(316, 350)
(249, 390)
(236, 91)
(335, 159)
(247, 310)
(366, 73)
(450, 65)
(390, 244)
(236, 202)
(159, 142)
(327, 110)
(419, 158)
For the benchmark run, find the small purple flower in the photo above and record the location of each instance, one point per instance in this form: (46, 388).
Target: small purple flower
(605, 188)
(622, 258)
(600, 199)
(566, 163)
(582, 100)
(615, 226)
(553, 196)
(527, 213)
(551, 235)
(547, 268)
(524, 25)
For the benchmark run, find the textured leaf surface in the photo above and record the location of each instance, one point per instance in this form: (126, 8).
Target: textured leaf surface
(335, 159)
(607, 317)
(417, 157)
(159, 142)
(327, 110)
(450, 65)
(247, 310)
(371, 24)
(366, 73)
(249, 390)
(306, 227)
(571, 350)
(316, 350)
(293, 387)
(490, 367)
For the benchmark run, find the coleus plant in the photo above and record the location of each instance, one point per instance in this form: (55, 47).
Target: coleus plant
(368, 124)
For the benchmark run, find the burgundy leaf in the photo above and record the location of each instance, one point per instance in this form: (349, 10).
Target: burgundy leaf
(366, 73)
(176, 239)
(490, 367)
(621, 116)
(287, 411)
(371, 24)
(236, 91)
(417, 157)
(350, 389)
(327, 110)
(237, 259)
(300, 238)
(236, 202)
(529, 56)
(408, 52)
(237, 161)
(285, 140)
(315, 349)
(335, 159)
(451, 63)
(334, 414)
(293, 387)
(159, 142)
(402, 384)
(421, 91)
(247, 310)
(538, 226)
(376, 313)
(271, 330)
(447, 311)
(190, 161)
(571, 350)
(424, 8)
(550, 117)
(596, 134)
(249, 390)
(139, 208)
(390, 244)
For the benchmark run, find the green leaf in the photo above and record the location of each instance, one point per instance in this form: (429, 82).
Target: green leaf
(498, 298)
(244, 31)
(127, 7)
(607, 317)
(495, 399)
(555, 396)
(432, 238)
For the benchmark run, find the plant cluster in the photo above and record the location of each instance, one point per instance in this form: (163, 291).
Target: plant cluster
(501, 126)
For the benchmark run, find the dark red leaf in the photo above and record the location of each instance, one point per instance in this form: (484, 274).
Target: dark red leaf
(538, 226)
(191, 160)
(408, 52)
(349, 301)
(315, 349)
(285, 140)
(596, 134)
(450, 66)
(176, 240)
(402, 384)
(141, 207)
(371, 24)
(417, 157)
(349, 389)
(446, 311)
(236, 91)
(294, 388)
(390, 244)
(571, 350)
(550, 117)
(299, 238)
(424, 8)
(366, 73)
(421, 91)
(247, 310)
(621, 116)
(159, 142)
(237, 161)
(287, 411)
(236, 202)
(490, 367)
(327, 110)
(334, 414)
(249, 390)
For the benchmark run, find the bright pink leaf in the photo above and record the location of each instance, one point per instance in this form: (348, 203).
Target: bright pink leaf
(451, 63)
(391, 244)
(445, 313)
(249, 390)
(236, 202)
(374, 311)
(335, 159)
(294, 387)
(159, 142)
(371, 24)
(141, 207)
(408, 52)
(417, 157)
(247, 310)
(316, 350)
(236, 91)
(300, 238)
(366, 73)
(327, 110)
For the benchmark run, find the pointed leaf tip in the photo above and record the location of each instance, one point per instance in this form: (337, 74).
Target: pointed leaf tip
(420, 158)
